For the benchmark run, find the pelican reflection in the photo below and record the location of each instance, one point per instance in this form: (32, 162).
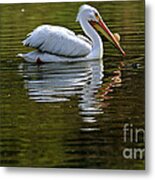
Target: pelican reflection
(58, 82)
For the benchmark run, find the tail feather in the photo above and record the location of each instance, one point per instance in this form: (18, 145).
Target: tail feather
(29, 57)
(20, 55)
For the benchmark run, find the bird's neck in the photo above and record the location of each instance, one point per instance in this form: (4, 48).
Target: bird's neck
(97, 49)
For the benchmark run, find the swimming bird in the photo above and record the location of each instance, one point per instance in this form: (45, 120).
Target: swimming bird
(55, 43)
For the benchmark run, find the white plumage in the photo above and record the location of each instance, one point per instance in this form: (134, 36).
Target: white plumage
(54, 43)
(58, 41)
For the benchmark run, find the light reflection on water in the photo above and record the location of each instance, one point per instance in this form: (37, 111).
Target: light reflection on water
(57, 82)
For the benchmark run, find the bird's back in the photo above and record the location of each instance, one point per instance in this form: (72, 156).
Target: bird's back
(57, 40)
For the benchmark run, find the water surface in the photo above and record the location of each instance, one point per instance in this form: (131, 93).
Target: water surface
(71, 114)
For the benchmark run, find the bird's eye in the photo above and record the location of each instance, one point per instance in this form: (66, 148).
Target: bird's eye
(97, 16)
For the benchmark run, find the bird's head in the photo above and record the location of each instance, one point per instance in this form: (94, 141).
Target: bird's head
(91, 15)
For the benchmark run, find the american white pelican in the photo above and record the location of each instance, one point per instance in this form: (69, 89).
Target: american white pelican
(54, 43)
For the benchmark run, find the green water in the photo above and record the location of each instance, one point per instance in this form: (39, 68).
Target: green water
(71, 114)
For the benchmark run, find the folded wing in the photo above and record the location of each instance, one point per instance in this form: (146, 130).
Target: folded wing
(58, 40)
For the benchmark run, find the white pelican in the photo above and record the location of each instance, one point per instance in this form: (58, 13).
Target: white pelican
(55, 43)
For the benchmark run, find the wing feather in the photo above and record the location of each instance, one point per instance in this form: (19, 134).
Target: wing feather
(57, 40)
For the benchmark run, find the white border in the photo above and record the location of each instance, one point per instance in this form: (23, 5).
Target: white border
(75, 174)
